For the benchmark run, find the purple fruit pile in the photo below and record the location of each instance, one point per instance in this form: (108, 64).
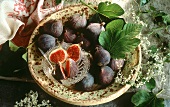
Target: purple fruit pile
(79, 30)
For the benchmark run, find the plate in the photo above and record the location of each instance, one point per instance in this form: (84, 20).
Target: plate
(64, 93)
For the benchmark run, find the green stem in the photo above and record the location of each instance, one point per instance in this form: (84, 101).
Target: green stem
(159, 92)
(88, 6)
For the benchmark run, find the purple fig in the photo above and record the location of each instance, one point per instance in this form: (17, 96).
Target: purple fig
(117, 64)
(102, 57)
(69, 35)
(54, 27)
(78, 21)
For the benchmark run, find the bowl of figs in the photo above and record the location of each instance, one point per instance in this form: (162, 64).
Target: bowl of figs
(78, 54)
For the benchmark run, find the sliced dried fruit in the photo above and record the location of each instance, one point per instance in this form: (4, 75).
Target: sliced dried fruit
(71, 68)
(58, 55)
(74, 52)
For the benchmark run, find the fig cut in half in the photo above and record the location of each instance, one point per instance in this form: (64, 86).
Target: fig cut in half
(71, 68)
(58, 55)
(74, 52)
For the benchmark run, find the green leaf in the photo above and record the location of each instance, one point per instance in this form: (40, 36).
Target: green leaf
(58, 1)
(24, 56)
(110, 10)
(13, 47)
(132, 30)
(166, 19)
(118, 45)
(115, 25)
(157, 102)
(151, 84)
(141, 97)
(153, 49)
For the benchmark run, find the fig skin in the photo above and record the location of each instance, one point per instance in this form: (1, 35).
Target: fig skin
(46, 41)
(71, 68)
(85, 42)
(116, 64)
(78, 21)
(102, 56)
(59, 72)
(69, 35)
(54, 27)
(106, 75)
(94, 30)
(86, 83)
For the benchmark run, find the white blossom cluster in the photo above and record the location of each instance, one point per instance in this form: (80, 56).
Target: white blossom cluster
(31, 100)
(152, 63)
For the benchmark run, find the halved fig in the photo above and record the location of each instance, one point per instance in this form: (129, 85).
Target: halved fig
(59, 73)
(58, 55)
(74, 52)
(71, 68)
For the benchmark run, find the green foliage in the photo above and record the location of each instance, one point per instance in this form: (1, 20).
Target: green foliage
(107, 9)
(24, 56)
(110, 10)
(115, 25)
(13, 47)
(119, 41)
(151, 84)
(58, 1)
(166, 19)
(144, 98)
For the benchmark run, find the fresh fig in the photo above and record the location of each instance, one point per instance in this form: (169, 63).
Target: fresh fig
(69, 35)
(71, 68)
(78, 21)
(85, 42)
(54, 27)
(86, 84)
(94, 30)
(102, 56)
(117, 64)
(58, 55)
(74, 52)
(59, 72)
(106, 75)
(45, 42)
